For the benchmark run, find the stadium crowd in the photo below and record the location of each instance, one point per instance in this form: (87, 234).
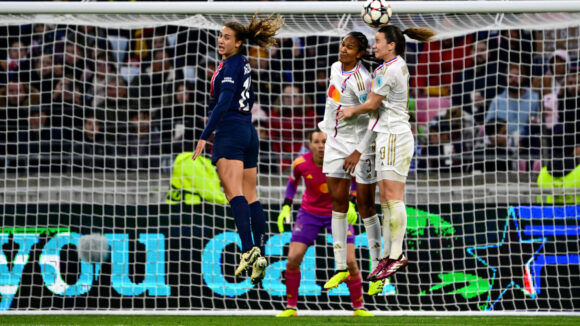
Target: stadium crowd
(95, 99)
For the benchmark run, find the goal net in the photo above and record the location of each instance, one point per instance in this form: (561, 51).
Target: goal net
(98, 113)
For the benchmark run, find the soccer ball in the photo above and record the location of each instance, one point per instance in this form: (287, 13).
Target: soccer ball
(93, 248)
(376, 13)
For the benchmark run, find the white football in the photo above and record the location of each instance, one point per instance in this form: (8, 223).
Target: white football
(376, 13)
(93, 248)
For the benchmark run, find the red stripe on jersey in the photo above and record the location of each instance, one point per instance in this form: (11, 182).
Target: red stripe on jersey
(336, 122)
(213, 77)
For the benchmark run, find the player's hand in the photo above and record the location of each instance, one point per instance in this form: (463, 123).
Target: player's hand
(351, 215)
(351, 161)
(198, 149)
(344, 113)
(284, 216)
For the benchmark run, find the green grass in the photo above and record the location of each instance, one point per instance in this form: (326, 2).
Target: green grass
(96, 320)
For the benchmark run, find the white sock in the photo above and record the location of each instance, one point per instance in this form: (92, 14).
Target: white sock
(373, 228)
(398, 226)
(386, 230)
(339, 233)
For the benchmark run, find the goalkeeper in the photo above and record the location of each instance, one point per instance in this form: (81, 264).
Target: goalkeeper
(314, 216)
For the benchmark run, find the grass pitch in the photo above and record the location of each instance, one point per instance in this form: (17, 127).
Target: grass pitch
(97, 320)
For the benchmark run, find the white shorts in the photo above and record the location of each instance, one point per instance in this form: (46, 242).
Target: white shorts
(394, 153)
(336, 152)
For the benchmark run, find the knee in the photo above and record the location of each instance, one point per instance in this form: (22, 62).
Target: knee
(340, 206)
(293, 262)
(365, 210)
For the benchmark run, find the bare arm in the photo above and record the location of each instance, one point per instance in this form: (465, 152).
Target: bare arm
(371, 104)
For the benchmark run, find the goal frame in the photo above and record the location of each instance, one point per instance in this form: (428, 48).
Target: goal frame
(303, 7)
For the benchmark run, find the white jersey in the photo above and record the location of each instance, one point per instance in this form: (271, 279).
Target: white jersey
(347, 88)
(391, 80)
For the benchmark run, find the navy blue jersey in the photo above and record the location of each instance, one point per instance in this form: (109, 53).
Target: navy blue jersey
(234, 73)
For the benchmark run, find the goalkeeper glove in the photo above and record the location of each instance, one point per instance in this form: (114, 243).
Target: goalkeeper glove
(352, 215)
(285, 215)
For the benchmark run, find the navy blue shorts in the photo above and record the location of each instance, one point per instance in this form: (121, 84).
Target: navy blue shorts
(236, 140)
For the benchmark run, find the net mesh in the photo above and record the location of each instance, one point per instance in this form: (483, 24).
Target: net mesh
(95, 111)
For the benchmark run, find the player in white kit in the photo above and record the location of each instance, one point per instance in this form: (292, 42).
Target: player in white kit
(348, 153)
(387, 104)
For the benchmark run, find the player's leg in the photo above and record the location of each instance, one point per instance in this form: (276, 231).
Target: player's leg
(258, 220)
(228, 156)
(392, 190)
(302, 238)
(231, 176)
(392, 201)
(339, 191)
(366, 178)
(292, 278)
(354, 281)
(372, 223)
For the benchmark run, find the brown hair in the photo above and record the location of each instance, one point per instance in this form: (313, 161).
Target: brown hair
(258, 32)
(394, 34)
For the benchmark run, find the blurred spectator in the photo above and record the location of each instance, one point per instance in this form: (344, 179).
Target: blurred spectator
(92, 153)
(140, 48)
(143, 142)
(554, 74)
(44, 76)
(181, 121)
(439, 61)
(16, 65)
(39, 146)
(73, 62)
(116, 107)
(495, 153)
(518, 105)
(267, 162)
(15, 99)
(67, 102)
(320, 88)
(97, 88)
(477, 85)
(43, 38)
(440, 152)
(266, 82)
(565, 140)
(515, 47)
(85, 36)
(291, 115)
(550, 85)
(155, 83)
(147, 41)
(292, 58)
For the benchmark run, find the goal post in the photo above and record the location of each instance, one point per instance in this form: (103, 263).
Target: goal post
(101, 105)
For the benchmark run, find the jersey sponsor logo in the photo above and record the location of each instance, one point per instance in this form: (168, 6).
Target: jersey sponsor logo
(333, 93)
(228, 80)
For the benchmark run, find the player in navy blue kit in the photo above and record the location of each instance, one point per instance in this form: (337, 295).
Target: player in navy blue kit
(235, 146)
